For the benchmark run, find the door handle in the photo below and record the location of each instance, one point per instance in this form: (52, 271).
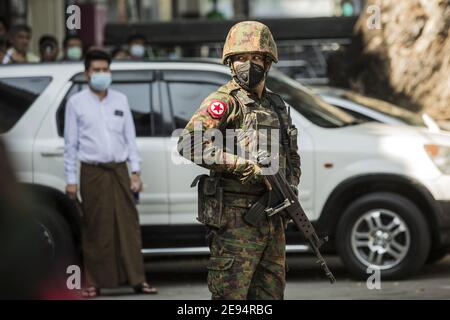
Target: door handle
(57, 152)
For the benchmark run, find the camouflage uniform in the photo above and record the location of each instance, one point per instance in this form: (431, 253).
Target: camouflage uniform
(246, 262)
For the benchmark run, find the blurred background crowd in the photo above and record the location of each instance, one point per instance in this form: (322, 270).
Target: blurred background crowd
(397, 51)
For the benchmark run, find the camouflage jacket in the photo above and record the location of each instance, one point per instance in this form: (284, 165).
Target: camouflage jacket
(232, 107)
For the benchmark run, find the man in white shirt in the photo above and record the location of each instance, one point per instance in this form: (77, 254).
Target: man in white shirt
(99, 131)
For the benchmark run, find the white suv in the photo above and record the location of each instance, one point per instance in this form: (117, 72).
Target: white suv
(382, 193)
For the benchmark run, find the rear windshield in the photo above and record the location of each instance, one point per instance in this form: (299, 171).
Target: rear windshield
(16, 97)
(386, 108)
(307, 103)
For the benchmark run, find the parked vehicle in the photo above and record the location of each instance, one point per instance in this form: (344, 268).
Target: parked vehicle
(370, 109)
(381, 192)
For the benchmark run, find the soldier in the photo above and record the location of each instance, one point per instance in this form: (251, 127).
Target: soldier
(247, 262)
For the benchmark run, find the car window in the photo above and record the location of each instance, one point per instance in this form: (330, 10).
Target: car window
(138, 95)
(356, 115)
(186, 89)
(385, 108)
(139, 99)
(186, 97)
(17, 96)
(306, 103)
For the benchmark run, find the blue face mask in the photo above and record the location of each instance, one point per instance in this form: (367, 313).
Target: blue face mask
(100, 81)
(137, 50)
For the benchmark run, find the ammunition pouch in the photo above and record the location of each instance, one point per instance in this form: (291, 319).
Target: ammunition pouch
(210, 200)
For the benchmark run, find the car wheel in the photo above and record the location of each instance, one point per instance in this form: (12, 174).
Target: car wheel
(55, 238)
(383, 231)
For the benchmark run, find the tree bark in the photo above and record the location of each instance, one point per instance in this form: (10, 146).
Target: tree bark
(406, 60)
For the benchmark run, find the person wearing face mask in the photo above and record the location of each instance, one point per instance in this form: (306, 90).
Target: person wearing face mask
(137, 47)
(48, 48)
(99, 131)
(247, 261)
(73, 48)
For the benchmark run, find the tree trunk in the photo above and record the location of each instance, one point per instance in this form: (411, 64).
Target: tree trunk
(405, 59)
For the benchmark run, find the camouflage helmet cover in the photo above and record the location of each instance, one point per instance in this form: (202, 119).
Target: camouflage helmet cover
(250, 36)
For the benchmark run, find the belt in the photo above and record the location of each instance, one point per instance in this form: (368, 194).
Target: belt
(239, 200)
(103, 164)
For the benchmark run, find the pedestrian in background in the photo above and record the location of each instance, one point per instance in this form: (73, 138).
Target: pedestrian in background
(72, 48)
(100, 132)
(48, 48)
(137, 47)
(19, 36)
(120, 53)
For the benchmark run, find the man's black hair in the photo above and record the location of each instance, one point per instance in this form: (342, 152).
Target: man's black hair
(136, 36)
(96, 54)
(68, 38)
(19, 28)
(48, 39)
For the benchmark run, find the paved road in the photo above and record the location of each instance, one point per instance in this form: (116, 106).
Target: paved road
(185, 278)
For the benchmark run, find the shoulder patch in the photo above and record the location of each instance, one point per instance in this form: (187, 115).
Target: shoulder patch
(217, 108)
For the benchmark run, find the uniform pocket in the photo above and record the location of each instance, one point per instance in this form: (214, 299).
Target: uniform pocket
(210, 202)
(220, 263)
(268, 127)
(218, 274)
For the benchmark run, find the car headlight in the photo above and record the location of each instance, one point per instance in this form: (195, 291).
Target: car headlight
(440, 156)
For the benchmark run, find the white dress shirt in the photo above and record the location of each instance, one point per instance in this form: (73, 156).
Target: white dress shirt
(98, 131)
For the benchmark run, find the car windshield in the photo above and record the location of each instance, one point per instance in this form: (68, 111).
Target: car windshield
(307, 103)
(385, 108)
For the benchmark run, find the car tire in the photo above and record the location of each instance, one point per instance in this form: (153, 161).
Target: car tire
(398, 233)
(57, 241)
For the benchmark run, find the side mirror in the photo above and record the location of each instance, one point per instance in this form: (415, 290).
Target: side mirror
(430, 123)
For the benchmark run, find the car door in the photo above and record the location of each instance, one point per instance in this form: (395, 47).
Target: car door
(141, 92)
(183, 91)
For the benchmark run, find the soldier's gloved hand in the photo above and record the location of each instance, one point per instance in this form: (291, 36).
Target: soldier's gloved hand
(253, 174)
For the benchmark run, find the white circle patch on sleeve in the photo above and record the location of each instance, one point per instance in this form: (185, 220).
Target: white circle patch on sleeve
(217, 108)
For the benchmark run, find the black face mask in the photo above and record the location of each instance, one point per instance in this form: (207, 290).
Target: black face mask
(249, 74)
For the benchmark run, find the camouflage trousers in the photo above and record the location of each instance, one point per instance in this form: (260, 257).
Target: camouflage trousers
(247, 262)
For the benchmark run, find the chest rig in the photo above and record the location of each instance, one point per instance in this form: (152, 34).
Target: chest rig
(264, 126)
(255, 119)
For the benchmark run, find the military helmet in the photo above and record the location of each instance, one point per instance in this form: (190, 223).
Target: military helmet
(249, 36)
